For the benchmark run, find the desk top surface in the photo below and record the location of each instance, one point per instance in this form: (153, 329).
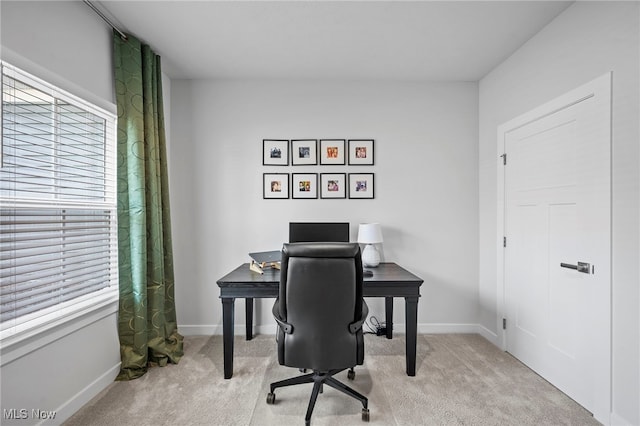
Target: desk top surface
(386, 272)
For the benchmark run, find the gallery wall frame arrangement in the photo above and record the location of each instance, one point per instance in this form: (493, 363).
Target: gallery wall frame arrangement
(324, 185)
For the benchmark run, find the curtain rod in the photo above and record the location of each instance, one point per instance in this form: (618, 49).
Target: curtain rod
(105, 19)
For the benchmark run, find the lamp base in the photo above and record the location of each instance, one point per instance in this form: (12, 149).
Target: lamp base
(370, 256)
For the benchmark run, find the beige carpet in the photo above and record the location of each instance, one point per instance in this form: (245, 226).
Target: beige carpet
(460, 380)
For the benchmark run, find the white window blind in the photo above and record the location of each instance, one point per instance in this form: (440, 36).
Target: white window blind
(58, 233)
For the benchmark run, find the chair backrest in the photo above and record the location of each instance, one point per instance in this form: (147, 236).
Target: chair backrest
(320, 295)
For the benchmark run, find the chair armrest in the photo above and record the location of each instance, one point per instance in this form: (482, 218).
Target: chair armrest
(285, 326)
(355, 326)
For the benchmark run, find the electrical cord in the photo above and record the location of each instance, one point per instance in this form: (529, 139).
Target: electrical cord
(376, 327)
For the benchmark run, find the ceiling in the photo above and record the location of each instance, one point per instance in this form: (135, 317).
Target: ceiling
(347, 40)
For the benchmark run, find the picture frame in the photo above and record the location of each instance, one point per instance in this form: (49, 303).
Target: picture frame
(361, 152)
(275, 185)
(333, 185)
(361, 185)
(275, 152)
(332, 151)
(304, 152)
(304, 185)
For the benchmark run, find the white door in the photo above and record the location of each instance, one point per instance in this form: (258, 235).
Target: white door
(557, 224)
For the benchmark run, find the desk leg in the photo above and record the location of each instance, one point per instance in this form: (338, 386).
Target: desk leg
(411, 315)
(228, 305)
(388, 309)
(249, 316)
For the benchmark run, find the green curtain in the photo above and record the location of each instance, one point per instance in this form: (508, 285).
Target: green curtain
(147, 324)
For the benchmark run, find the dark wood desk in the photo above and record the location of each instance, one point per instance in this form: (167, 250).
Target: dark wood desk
(389, 280)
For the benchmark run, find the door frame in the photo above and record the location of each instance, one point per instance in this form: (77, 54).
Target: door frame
(600, 87)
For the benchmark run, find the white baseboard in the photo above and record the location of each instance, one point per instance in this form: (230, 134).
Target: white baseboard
(617, 420)
(489, 335)
(216, 329)
(427, 328)
(76, 402)
(206, 330)
(436, 328)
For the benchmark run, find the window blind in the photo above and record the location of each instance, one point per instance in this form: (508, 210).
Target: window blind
(58, 232)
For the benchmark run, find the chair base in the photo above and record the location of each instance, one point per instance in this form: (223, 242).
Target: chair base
(320, 378)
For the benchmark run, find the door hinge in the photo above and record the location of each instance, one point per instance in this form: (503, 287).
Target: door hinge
(504, 241)
(504, 323)
(504, 159)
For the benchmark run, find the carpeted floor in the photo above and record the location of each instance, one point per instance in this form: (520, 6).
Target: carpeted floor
(460, 380)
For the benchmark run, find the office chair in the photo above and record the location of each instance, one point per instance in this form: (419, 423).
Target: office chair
(320, 312)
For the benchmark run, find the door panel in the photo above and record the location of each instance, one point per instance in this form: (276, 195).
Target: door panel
(556, 203)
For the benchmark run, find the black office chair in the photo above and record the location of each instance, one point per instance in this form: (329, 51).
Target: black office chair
(320, 312)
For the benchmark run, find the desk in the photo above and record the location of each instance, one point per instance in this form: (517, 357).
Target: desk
(389, 280)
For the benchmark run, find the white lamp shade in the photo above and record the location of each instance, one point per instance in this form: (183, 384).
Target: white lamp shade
(369, 233)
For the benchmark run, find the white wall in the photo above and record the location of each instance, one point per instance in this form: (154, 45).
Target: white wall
(425, 172)
(584, 42)
(67, 39)
(66, 44)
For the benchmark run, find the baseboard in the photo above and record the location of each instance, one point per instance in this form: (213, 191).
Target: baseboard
(489, 335)
(205, 330)
(439, 328)
(216, 330)
(425, 328)
(76, 402)
(617, 420)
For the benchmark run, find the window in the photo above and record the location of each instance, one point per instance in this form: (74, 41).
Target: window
(58, 232)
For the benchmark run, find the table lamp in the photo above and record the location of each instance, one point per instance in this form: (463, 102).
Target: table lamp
(370, 234)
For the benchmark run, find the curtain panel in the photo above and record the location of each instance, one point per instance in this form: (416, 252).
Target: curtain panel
(147, 324)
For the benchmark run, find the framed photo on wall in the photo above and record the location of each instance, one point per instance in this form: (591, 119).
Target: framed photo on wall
(304, 152)
(332, 151)
(304, 185)
(360, 152)
(333, 185)
(361, 185)
(275, 185)
(275, 152)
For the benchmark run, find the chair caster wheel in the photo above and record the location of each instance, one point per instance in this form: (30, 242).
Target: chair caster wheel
(365, 414)
(271, 398)
(351, 375)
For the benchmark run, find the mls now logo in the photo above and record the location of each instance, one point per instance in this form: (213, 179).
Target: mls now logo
(23, 414)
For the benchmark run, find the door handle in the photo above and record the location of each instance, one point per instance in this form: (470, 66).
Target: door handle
(583, 267)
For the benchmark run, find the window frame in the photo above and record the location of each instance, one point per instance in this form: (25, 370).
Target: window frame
(103, 301)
